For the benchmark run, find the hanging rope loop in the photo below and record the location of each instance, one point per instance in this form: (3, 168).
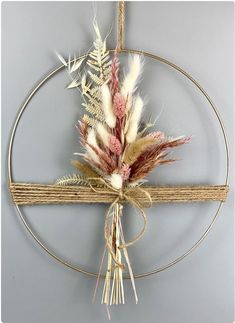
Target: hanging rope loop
(121, 23)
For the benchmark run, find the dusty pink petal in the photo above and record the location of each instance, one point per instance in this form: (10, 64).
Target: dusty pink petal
(115, 145)
(119, 105)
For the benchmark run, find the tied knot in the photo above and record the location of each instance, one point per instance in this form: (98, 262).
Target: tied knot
(133, 196)
(120, 195)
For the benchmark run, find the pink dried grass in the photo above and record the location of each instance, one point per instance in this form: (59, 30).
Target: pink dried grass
(107, 162)
(159, 135)
(82, 128)
(114, 82)
(115, 145)
(119, 105)
(153, 157)
(125, 172)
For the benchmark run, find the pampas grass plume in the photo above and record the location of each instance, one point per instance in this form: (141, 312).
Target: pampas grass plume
(109, 140)
(91, 141)
(103, 134)
(119, 105)
(92, 154)
(130, 81)
(109, 115)
(134, 120)
(91, 138)
(115, 145)
(116, 181)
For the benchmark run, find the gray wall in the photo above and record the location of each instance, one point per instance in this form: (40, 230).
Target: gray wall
(197, 36)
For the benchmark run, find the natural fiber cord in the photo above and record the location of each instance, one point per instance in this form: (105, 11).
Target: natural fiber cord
(30, 194)
(121, 21)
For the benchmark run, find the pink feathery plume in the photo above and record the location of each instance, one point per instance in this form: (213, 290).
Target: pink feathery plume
(114, 82)
(153, 157)
(107, 162)
(115, 145)
(125, 171)
(119, 105)
(82, 129)
(159, 135)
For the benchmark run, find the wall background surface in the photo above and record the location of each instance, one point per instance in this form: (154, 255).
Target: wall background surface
(198, 36)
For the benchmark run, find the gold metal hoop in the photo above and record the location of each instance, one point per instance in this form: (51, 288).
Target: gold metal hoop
(10, 173)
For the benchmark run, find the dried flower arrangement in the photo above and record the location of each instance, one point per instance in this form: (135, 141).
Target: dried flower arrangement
(119, 151)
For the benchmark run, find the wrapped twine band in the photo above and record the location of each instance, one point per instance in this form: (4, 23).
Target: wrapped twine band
(121, 22)
(31, 194)
(139, 197)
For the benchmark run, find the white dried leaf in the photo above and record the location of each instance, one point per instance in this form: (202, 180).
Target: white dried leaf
(73, 84)
(76, 65)
(63, 61)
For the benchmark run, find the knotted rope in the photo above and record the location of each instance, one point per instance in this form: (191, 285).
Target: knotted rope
(135, 203)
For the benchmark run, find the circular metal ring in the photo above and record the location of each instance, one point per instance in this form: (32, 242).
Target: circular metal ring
(10, 175)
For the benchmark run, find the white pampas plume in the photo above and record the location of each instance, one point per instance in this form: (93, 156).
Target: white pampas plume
(116, 181)
(130, 81)
(134, 120)
(96, 28)
(91, 140)
(103, 133)
(107, 107)
(92, 154)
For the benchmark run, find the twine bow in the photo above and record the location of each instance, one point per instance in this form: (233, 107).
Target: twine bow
(122, 195)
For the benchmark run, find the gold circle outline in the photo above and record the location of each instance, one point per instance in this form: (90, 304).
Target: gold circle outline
(212, 105)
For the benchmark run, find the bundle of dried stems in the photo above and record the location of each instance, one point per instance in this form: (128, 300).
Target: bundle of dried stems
(118, 151)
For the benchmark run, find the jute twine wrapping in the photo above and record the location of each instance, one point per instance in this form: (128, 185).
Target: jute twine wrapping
(31, 194)
(121, 21)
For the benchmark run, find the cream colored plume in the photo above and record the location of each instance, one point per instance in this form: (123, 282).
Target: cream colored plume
(103, 133)
(91, 140)
(92, 154)
(130, 81)
(107, 106)
(116, 181)
(134, 120)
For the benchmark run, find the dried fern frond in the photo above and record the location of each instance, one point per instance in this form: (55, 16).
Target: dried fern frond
(95, 111)
(84, 168)
(89, 120)
(73, 84)
(96, 79)
(135, 149)
(100, 67)
(93, 65)
(73, 179)
(99, 56)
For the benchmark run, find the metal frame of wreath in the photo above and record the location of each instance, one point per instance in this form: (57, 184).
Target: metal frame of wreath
(212, 106)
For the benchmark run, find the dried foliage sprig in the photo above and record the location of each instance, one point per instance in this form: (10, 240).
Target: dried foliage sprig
(119, 150)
